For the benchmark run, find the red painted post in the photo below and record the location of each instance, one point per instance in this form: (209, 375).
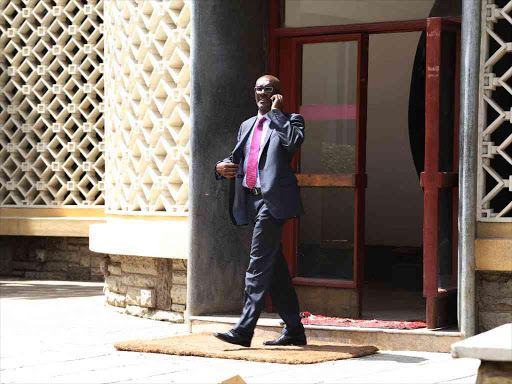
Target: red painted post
(455, 190)
(360, 167)
(289, 73)
(430, 177)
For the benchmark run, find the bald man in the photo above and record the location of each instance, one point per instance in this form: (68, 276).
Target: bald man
(266, 194)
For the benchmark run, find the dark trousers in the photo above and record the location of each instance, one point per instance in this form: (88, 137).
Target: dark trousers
(267, 270)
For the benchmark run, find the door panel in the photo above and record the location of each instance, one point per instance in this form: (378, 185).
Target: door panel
(324, 78)
(326, 235)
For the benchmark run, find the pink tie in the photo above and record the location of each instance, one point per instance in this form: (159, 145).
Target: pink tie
(252, 163)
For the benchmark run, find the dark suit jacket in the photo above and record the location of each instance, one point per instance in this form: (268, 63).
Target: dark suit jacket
(279, 187)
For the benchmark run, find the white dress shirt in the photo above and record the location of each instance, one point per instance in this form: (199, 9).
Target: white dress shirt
(264, 133)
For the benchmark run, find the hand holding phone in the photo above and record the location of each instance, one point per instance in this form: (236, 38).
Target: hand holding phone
(277, 101)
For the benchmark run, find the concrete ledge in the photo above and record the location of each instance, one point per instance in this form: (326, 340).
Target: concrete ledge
(47, 226)
(163, 238)
(493, 254)
(500, 230)
(384, 339)
(493, 345)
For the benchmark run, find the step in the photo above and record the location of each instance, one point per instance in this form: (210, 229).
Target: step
(424, 340)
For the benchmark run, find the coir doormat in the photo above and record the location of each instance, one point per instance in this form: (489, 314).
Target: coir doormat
(206, 345)
(310, 319)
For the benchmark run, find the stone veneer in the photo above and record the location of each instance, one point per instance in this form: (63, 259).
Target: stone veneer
(147, 287)
(50, 258)
(494, 299)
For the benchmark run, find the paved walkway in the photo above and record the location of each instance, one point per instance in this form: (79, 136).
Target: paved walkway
(60, 332)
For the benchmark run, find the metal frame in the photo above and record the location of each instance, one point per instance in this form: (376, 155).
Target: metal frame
(473, 14)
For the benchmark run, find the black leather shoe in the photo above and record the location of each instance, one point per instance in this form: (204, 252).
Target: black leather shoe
(234, 338)
(288, 340)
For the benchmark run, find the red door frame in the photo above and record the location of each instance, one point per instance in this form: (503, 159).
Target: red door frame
(431, 179)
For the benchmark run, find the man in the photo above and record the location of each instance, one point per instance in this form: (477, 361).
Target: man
(266, 194)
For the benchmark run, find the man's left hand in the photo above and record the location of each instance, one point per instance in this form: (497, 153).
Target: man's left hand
(277, 101)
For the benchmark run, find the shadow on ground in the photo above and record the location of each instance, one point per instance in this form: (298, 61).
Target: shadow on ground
(397, 358)
(44, 290)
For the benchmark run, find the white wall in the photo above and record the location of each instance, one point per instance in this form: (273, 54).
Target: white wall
(307, 13)
(394, 199)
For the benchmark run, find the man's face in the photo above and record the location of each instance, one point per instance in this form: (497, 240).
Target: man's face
(263, 99)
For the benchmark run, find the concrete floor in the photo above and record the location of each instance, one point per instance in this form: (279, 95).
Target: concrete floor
(61, 332)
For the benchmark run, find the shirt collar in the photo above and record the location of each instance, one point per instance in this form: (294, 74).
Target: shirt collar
(265, 116)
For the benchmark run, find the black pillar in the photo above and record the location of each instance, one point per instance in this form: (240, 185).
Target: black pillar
(228, 55)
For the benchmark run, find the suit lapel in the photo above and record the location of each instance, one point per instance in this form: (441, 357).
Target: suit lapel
(271, 128)
(237, 152)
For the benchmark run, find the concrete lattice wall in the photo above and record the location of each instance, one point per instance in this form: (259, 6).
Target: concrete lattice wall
(60, 146)
(51, 103)
(49, 258)
(147, 287)
(147, 54)
(494, 138)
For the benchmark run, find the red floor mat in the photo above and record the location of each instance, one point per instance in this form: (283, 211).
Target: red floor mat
(310, 319)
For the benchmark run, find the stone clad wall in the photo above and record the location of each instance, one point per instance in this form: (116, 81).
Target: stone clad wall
(49, 258)
(494, 299)
(147, 287)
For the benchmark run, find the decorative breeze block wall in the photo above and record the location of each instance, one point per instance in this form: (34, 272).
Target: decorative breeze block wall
(147, 77)
(495, 114)
(51, 103)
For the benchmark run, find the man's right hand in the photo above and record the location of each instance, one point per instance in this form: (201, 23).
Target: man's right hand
(227, 170)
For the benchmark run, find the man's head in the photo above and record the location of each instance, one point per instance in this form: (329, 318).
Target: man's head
(266, 87)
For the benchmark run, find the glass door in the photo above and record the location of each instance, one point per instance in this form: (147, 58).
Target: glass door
(324, 78)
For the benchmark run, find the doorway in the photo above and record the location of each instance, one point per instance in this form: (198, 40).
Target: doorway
(394, 199)
(359, 251)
